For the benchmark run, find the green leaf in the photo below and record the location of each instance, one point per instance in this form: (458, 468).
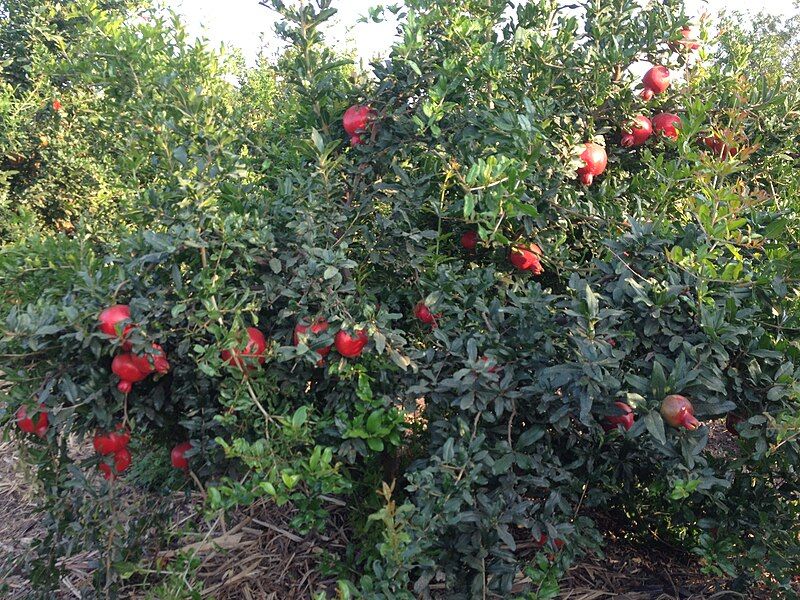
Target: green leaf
(655, 426)
(299, 417)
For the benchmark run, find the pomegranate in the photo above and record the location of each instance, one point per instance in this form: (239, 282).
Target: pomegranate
(122, 462)
(152, 362)
(656, 81)
(178, 456)
(493, 368)
(318, 326)
(679, 412)
(108, 443)
(424, 314)
(255, 348)
(26, 423)
(356, 120)
(526, 258)
(625, 419)
(667, 124)
(719, 148)
(469, 240)
(687, 41)
(540, 542)
(594, 159)
(110, 320)
(56, 105)
(124, 366)
(350, 346)
(637, 133)
(731, 421)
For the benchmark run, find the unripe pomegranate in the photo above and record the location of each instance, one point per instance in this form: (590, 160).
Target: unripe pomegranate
(595, 160)
(356, 120)
(424, 314)
(679, 412)
(27, 425)
(124, 367)
(110, 320)
(719, 148)
(526, 259)
(157, 361)
(178, 456)
(255, 348)
(637, 133)
(731, 421)
(350, 346)
(667, 124)
(469, 240)
(625, 419)
(687, 41)
(318, 326)
(656, 81)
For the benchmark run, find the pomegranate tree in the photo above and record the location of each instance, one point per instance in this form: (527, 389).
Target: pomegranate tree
(678, 412)
(594, 159)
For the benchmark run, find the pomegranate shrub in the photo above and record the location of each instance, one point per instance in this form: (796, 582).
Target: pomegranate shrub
(417, 278)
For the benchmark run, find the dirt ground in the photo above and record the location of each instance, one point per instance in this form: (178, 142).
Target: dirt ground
(256, 556)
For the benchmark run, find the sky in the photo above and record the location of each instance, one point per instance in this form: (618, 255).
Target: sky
(246, 25)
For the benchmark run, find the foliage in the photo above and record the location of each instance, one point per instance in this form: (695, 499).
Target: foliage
(237, 207)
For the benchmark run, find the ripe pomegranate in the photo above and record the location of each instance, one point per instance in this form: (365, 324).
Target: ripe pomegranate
(656, 81)
(526, 259)
(356, 120)
(667, 124)
(540, 542)
(318, 326)
(56, 105)
(108, 443)
(152, 362)
(124, 367)
(122, 462)
(469, 240)
(424, 314)
(625, 419)
(679, 412)
(178, 456)
(350, 346)
(719, 148)
(637, 133)
(595, 160)
(731, 421)
(26, 424)
(255, 348)
(111, 318)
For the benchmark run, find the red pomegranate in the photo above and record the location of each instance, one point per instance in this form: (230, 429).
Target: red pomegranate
(493, 368)
(255, 348)
(356, 120)
(719, 148)
(26, 423)
(656, 81)
(424, 314)
(731, 421)
(110, 320)
(350, 346)
(679, 412)
(318, 326)
(595, 160)
(157, 361)
(122, 461)
(178, 456)
(542, 541)
(469, 240)
(124, 366)
(625, 419)
(108, 443)
(56, 105)
(526, 259)
(637, 133)
(667, 124)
